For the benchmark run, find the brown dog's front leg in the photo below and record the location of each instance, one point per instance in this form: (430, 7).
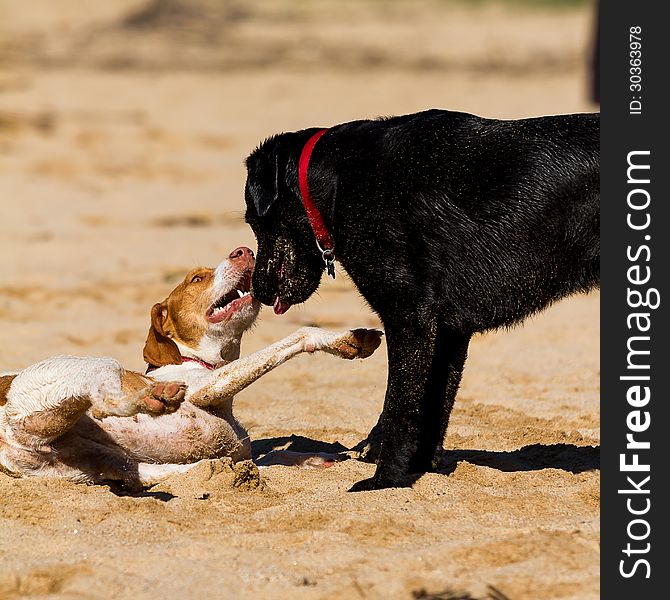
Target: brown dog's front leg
(232, 378)
(235, 376)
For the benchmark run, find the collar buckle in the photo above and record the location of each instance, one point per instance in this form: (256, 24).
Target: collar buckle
(328, 257)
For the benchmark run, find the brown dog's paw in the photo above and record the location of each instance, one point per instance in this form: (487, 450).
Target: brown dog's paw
(358, 343)
(164, 398)
(370, 340)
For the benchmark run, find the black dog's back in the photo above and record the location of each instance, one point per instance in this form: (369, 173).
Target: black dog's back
(491, 220)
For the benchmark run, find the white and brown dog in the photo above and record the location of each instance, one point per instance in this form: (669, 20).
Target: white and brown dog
(89, 420)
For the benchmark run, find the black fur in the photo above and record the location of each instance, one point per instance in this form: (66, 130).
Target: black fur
(449, 224)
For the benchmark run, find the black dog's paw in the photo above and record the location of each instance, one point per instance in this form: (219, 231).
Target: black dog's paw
(370, 448)
(365, 485)
(382, 483)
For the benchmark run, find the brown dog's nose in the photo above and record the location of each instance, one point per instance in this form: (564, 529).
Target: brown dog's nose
(241, 255)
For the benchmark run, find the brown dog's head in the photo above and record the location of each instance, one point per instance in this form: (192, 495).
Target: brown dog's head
(289, 265)
(205, 315)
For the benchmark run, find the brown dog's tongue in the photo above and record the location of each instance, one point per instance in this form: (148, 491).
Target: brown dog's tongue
(280, 307)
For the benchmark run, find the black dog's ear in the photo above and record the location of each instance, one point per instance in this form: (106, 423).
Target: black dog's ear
(264, 175)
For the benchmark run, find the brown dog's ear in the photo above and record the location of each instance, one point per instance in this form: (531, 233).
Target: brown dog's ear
(160, 350)
(264, 175)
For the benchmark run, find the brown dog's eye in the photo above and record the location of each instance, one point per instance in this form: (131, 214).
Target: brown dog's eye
(196, 279)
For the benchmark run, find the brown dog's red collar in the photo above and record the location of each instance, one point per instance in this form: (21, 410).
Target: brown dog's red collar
(197, 360)
(184, 359)
(323, 238)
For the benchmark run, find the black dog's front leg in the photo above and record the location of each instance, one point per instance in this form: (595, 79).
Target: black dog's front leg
(449, 356)
(411, 347)
(451, 349)
(425, 368)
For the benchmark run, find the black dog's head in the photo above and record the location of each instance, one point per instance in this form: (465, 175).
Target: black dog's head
(288, 263)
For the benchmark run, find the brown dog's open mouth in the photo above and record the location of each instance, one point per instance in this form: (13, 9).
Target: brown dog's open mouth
(231, 301)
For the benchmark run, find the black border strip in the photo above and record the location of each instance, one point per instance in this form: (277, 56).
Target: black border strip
(635, 547)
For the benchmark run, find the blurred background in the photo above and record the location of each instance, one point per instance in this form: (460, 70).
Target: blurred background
(124, 126)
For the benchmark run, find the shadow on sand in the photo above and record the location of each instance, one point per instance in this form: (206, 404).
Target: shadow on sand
(295, 443)
(567, 457)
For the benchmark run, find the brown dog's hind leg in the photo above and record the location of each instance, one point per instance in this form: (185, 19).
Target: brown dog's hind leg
(45, 400)
(140, 394)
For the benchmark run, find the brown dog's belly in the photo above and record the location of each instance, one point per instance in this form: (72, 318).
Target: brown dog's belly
(186, 436)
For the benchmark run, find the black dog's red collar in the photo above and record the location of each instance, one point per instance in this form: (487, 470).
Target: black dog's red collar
(323, 239)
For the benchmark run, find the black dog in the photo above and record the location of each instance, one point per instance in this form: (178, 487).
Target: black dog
(448, 224)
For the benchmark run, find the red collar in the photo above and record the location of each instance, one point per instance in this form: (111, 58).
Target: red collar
(184, 359)
(323, 239)
(197, 360)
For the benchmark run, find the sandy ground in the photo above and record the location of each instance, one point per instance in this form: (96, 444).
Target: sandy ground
(121, 167)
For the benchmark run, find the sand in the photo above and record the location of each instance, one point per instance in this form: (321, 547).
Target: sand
(121, 167)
